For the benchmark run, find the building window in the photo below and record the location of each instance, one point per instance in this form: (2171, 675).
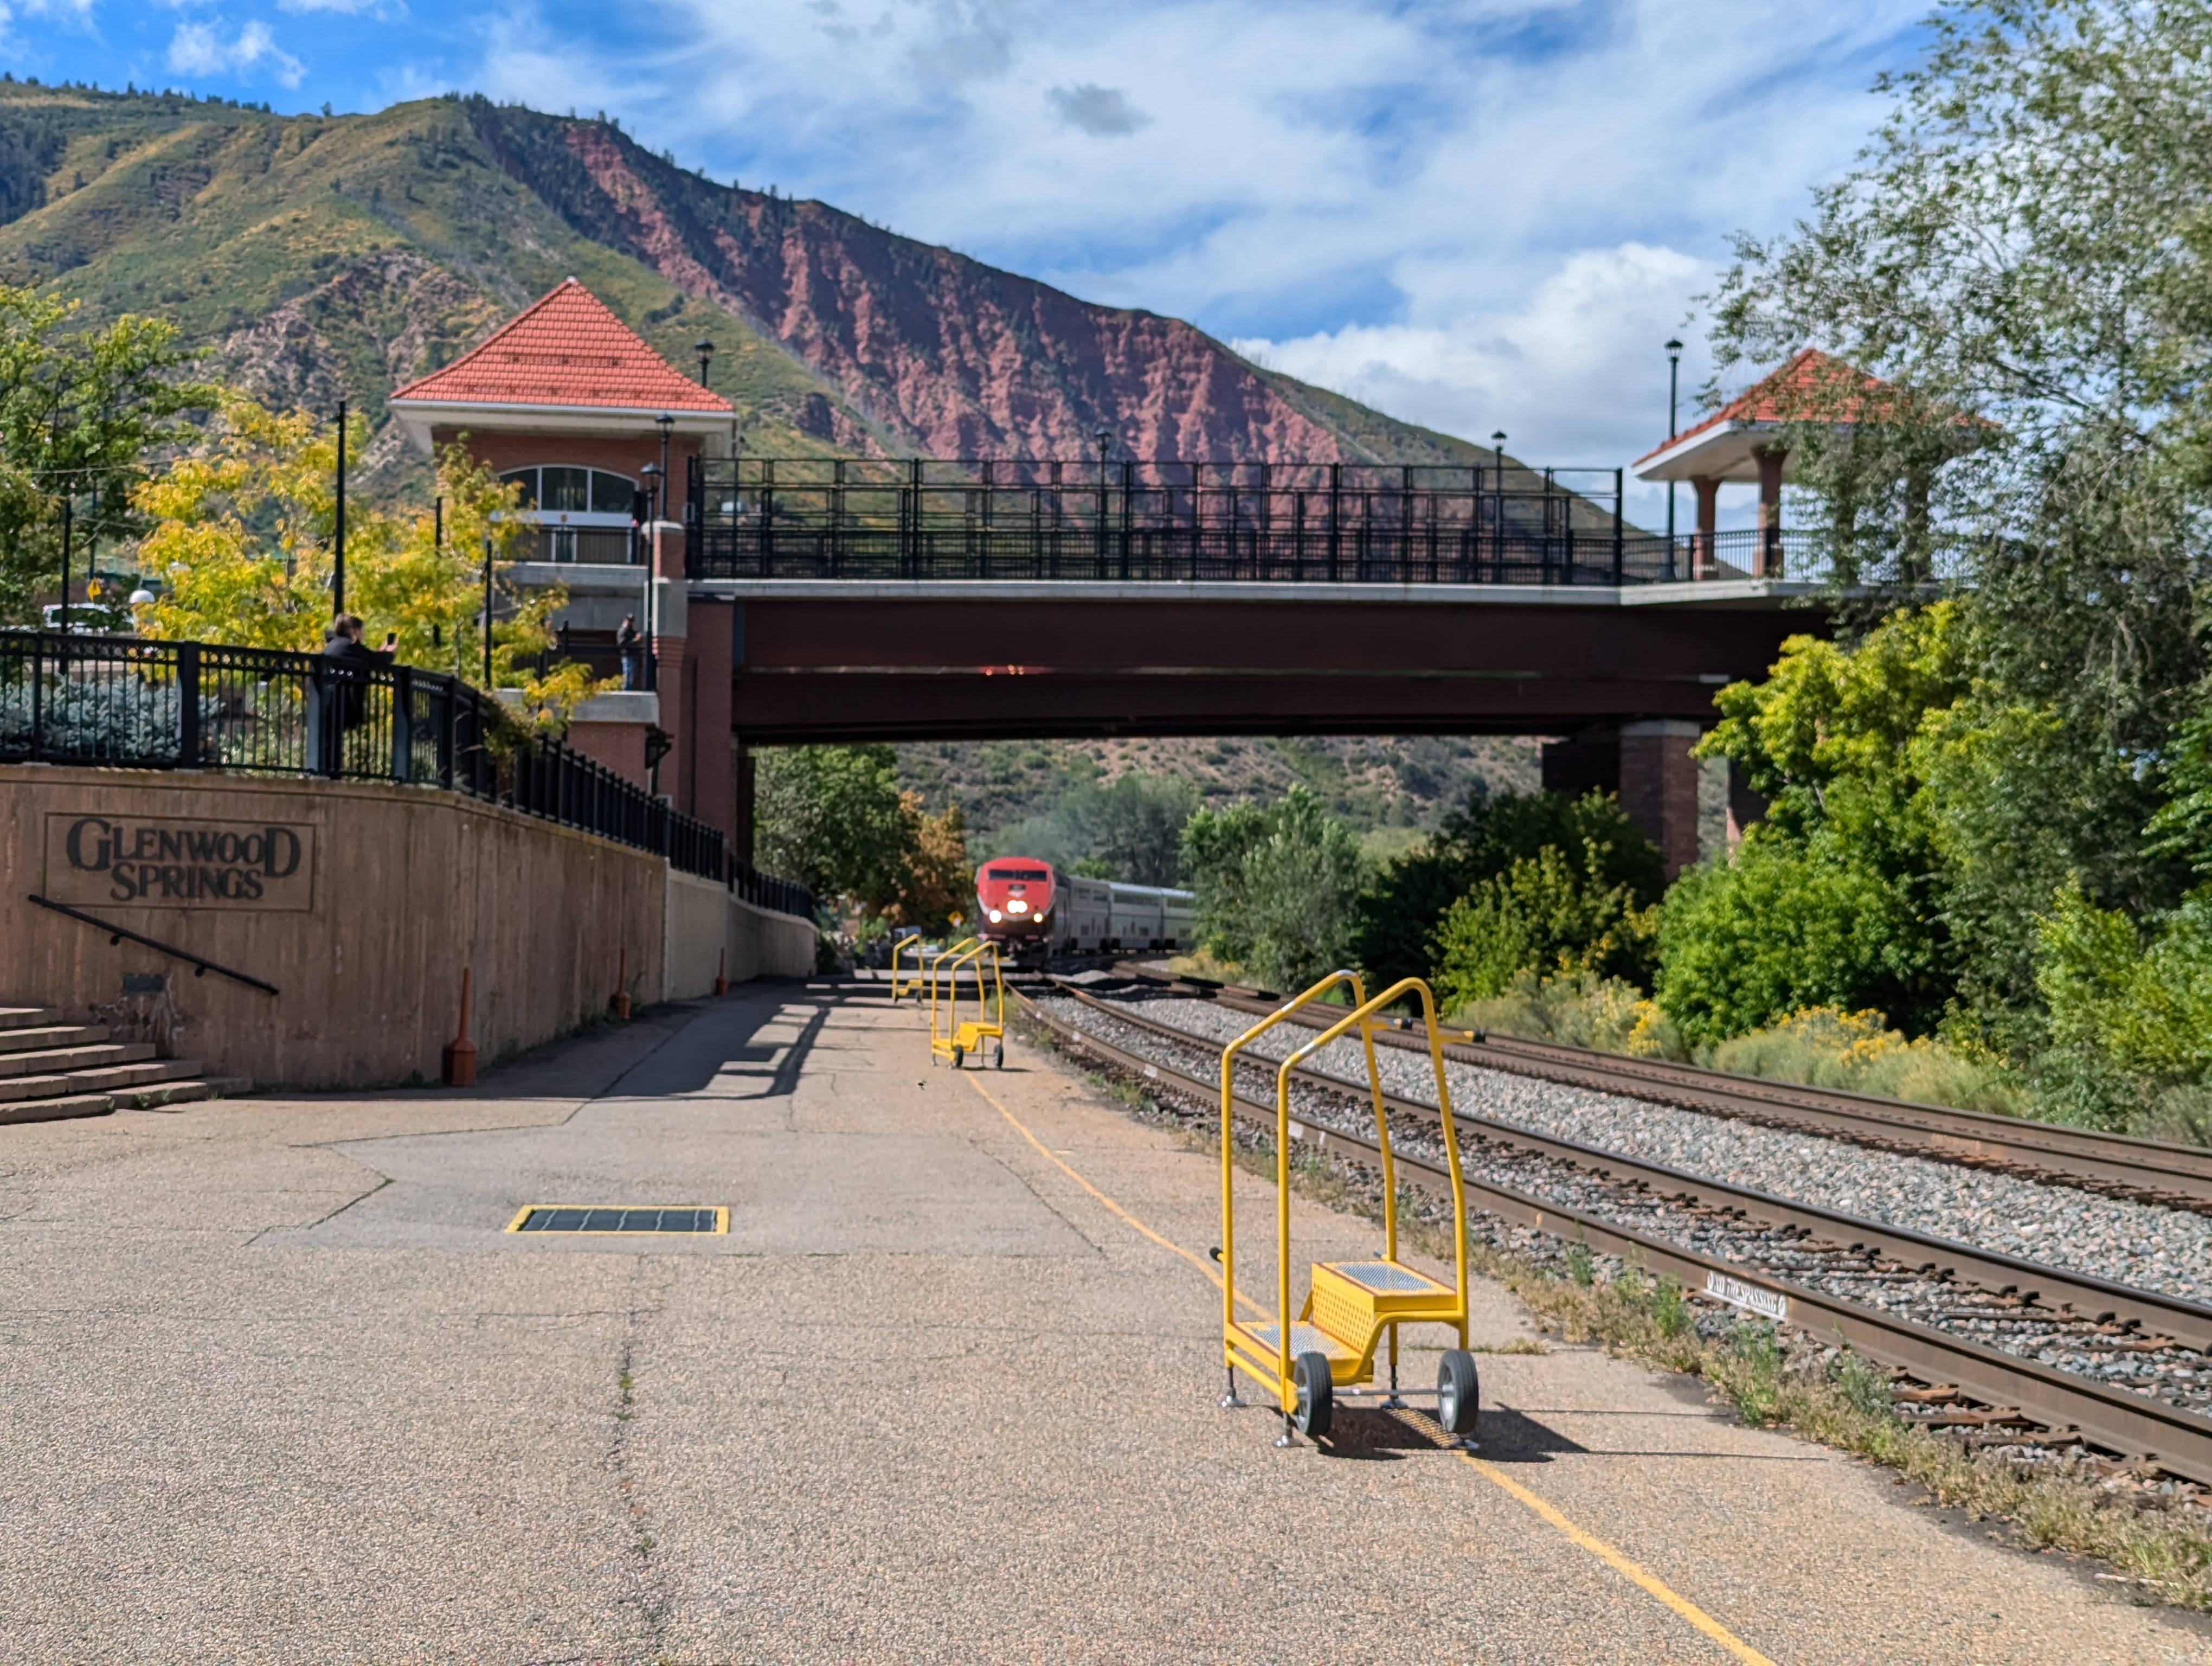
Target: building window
(562, 489)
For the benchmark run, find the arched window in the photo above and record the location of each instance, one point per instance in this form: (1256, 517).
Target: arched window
(557, 488)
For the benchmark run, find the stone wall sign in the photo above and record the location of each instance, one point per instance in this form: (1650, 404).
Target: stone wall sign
(179, 862)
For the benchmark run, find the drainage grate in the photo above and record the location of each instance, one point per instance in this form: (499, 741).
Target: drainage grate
(585, 1218)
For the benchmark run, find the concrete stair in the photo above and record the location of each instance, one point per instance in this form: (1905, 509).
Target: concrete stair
(50, 1070)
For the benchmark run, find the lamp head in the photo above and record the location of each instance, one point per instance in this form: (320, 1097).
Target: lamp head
(1673, 349)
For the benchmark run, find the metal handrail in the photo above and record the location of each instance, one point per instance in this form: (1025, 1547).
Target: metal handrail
(201, 965)
(137, 703)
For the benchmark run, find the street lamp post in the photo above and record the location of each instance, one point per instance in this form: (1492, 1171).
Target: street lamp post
(337, 541)
(1674, 387)
(69, 495)
(667, 426)
(705, 350)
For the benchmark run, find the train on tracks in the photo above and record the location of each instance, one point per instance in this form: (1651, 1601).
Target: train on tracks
(1035, 913)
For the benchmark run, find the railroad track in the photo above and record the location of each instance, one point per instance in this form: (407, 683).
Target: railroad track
(2152, 1171)
(1900, 1298)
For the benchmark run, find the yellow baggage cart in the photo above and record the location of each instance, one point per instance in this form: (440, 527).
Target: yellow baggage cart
(956, 1039)
(1306, 1363)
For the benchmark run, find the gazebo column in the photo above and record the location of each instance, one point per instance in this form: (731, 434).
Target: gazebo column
(1766, 560)
(1703, 557)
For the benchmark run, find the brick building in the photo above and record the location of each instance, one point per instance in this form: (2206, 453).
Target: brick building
(600, 430)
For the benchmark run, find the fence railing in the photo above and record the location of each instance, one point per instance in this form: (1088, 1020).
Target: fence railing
(609, 546)
(750, 517)
(134, 703)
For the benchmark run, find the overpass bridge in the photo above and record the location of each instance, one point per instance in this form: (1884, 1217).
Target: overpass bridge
(841, 600)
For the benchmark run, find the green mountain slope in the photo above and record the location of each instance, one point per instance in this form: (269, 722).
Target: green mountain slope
(314, 257)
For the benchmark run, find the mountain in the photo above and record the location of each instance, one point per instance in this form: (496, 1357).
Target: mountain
(321, 255)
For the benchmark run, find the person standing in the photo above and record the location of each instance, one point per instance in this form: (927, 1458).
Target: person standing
(631, 646)
(342, 687)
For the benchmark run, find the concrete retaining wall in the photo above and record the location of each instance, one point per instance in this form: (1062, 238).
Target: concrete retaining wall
(361, 902)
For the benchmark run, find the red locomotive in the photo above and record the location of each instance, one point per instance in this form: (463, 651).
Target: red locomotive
(1034, 913)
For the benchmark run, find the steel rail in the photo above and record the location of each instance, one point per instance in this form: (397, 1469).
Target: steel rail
(2151, 1170)
(2115, 1419)
(2088, 1296)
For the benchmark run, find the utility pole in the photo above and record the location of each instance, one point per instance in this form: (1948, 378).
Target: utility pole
(338, 560)
(1673, 384)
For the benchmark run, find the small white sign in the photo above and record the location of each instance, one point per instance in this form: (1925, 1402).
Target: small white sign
(1768, 1303)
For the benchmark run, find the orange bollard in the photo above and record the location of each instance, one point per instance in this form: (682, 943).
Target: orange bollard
(722, 966)
(619, 1006)
(458, 1067)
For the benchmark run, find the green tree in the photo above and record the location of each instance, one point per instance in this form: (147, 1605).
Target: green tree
(81, 412)
(1129, 829)
(1839, 898)
(1278, 887)
(1400, 912)
(833, 818)
(2021, 255)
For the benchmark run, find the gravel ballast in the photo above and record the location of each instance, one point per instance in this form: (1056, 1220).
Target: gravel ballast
(2139, 1244)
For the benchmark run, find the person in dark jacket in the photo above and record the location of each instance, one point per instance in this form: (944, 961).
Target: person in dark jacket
(342, 687)
(631, 646)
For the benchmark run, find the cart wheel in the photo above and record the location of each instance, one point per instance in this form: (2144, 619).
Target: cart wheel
(999, 1056)
(1316, 1395)
(956, 1056)
(1459, 1392)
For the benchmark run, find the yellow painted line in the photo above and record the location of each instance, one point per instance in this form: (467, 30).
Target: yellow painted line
(1632, 1571)
(1199, 1262)
(1629, 1570)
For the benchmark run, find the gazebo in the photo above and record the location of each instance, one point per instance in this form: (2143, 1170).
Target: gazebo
(1746, 439)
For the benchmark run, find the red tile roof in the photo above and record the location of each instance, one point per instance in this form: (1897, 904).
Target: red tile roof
(1813, 386)
(567, 349)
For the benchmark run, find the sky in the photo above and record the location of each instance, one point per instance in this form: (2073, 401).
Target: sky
(1472, 214)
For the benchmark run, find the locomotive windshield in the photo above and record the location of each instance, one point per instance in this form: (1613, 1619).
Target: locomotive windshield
(1018, 873)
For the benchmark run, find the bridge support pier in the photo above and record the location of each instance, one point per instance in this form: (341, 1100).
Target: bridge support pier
(1659, 787)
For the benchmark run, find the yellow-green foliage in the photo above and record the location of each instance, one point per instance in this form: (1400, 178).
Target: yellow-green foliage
(1579, 1009)
(242, 532)
(1826, 1047)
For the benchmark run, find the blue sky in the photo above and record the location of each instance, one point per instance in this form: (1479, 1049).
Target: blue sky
(1472, 215)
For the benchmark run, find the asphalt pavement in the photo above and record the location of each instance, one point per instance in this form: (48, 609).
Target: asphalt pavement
(280, 1386)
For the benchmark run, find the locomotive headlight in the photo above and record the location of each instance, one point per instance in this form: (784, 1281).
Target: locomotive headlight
(1018, 906)
(996, 917)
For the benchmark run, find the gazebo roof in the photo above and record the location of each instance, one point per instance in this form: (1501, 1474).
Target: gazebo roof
(566, 356)
(1813, 386)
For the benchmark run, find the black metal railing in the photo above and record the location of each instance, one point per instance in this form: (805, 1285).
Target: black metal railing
(135, 703)
(608, 546)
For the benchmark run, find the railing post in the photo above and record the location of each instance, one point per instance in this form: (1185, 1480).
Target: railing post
(188, 705)
(403, 723)
(1336, 514)
(1128, 488)
(38, 695)
(1617, 552)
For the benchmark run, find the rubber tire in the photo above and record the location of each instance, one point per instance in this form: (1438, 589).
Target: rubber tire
(1459, 1392)
(1317, 1396)
(999, 1056)
(956, 1056)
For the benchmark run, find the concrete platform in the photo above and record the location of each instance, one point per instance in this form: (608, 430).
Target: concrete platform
(278, 1387)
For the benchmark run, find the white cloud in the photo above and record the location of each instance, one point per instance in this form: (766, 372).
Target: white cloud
(1477, 212)
(201, 49)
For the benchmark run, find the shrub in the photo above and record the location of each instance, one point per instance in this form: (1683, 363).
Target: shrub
(1579, 1010)
(1823, 1047)
(1787, 925)
(1546, 914)
(1401, 912)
